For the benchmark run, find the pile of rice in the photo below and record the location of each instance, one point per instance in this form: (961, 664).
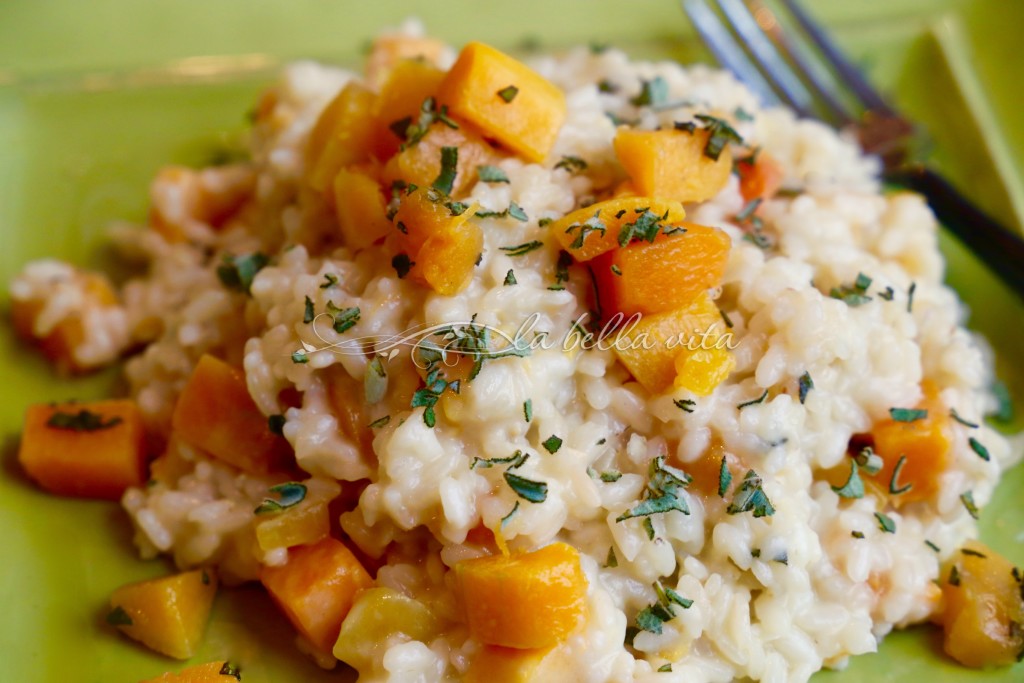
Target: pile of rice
(775, 598)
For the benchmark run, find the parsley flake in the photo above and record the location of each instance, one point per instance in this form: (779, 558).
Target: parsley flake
(721, 135)
(508, 93)
(230, 669)
(663, 493)
(528, 409)
(527, 489)
(118, 617)
(491, 174)
(611, 476)
(854, 487)
(300, 357)
(238, 272)
(344, 319)
(652, 93)
(612, 561)
(381, 422)
(521, 249)
(511, 513)
(310, 313)
(750, 497)
(907, 414)
(82, 421)
(857, 534)
(855, 295)
(510, 278)
(516, 211)
(449, 169)
(885, 523)
(805, 384)
(375, 381)
(759, 399)
(402, 265)
(966, 423)
(329, 281)
(967, 498)
(552, 444)
(724, 478)
(571, 164)
(685, 404)
(894, 488)
(275, 423)
(978, 448)
(289, 494)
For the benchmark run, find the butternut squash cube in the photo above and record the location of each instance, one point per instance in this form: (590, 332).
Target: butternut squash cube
(342, 136)
(664, 275)
(649, 348)
(389, 51)
(409, 84)
(594, 230)
(420, 164)
(216, 414)
(316, 589)
(671, 164)
(303, 524)
(505, 99)
(378, 618)
(92, 450)
(493, 664)
(524, 600)
(760, 178)
(360, 207)
(168, 614)
(699, 371)
(983, 608)
(211, 672)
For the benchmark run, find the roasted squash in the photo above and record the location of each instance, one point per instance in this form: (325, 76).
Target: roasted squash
(390, 50)
(672, 164)
(377, 619)
(589, 232)
(360, 206)
(760, 175)
(493, 664)
(211, 672)
(342, 136)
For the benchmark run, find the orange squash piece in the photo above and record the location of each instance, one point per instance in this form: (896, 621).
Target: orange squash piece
(983, 608)
(409, 84)
(98, 453)
(316, 589)
(611, 215)
(59, 344)
(342, 136)
(304, 524)
(525, 600)
(389, 51)
(700, 370)
(380, 617)
(505, 99)
(420, 164)
(924, 442)
(664, 275)
(493, 664)
(360, 207)
(649, 348)
(671, 164)
(760, 176)
(211, 672)
(168, 614)
(216, 414)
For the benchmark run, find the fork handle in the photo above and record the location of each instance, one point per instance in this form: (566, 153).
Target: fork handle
(1001, 250)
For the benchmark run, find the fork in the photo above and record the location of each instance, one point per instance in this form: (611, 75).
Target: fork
(780, 70)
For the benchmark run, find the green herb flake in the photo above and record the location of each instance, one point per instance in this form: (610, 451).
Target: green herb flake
(380, 422)
(973, 553)
(648, 526)
(665, 668)
(521, 249)
(869, 461)
(967, 498)
(571, 164)
(275, 423)
(591, 225)
(885, 523)
(748, 210)
(721, 135)
(1004, 412)
(966, 423)
(611, 476)
(686, 405)
(289, 494)
(329, 281)
(742, 114)
(375, 381)
(887, 294)
(616, 270)
(607, 86)
(552, 444)
(82, 421)
(310, 313)
(449, 169)
(528, 409)
(516, 211)
(491, 174)
(750, 497)
(508, 93)
(857, 534)
(118, 617)
(954, 576)
(205, 578)
(612, 561)
(759, 399)
(664, 486)
(344, 319)
(402, 265)
(230, 669)
(910, 297)
(300, 357)
(510, 278)
(978, 448)
(931, 545)
(724, 478)
(894, 487)
(907, 414)
(652, 93)
(511, 513)
(238, 272)
(527, 489)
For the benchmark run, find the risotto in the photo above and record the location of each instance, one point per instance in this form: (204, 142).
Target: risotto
(589, 370)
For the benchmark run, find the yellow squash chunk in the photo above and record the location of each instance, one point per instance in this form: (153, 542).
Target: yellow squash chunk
(379, 618)
(92, 450)
(611, 215)
(59, 344)
(216, 414)
(408, 86)
(167, 615)
(760, 176)
(316, 589)
(389, 51)
(525, 600)
(342, 136)
(360, 207)
(420, 164)
(493, 664)
(303, 524)
(671, 164)
(664, 275)
(649, 348)
(211, 672)
(505, 99)
(701, 370)
(983, 608)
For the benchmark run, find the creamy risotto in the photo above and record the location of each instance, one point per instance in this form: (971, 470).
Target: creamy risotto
(380, 367)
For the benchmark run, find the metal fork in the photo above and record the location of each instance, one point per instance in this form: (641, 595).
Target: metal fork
(750, 42)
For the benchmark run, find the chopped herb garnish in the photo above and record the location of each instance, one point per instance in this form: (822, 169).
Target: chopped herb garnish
(967, 498)
(275, 423)
(521, 249)
(402, 265)
(931, 545)
(954, 576)
(855, 295)
(544, 222)
(907, 414)
(805, 384)
(510, 278)
(978, 448)
(751, 497)
(514, 461)
(759, 399)
(118, 617)
(300, 357)
(781, 558)
(456, 209)
(742, 114)
(648, 526)
(508, 93)
(857, 534)
(973, 553)
(869, 461)
(449, 169)
(724, 478)
(344, 318)
(375, 381)
(571, 164)
(592, 224)
(205, 578)
(685, 404)
(527, 489)
(288, 494)
(885, 523)
(665, 668)
(528, 409)
(664, 486)
(310, 314)
(230, 669)
(854, 487)
(562, 266)
(606, 86)
(616, 270)
(748, 210)
(82, 421)
(516, 211)
(552, 444)
(511, 513)
(721, 135)
(380, 422)
(910, 297)
(646, 227)
(612, 561)
(238, 272)
(888, 294)
(894, 487)
(491, 174)
(652, 93)
(601, 442)
(611, 476)
(1004, 403)
(414, 132)
(329, 281)
(652, 617)
(966, 423)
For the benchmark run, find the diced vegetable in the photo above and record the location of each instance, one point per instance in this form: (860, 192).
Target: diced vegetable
(59, 344)
(506, 99)
(168, 614)
(316, 589)
(706, 471)
(360, 207)
(93, 450)
(664, 275)
(180, 196)
(216, 414)
(524, 600)
(408, 86)
(303, 524)
(493, 664)
(389, 51)
(443, 247)
(662, 334)
(594, 230)
(671, 164)
(760, 176)
(420, 164)
(211, 672)
(379, 618)
(983, 608)
(700, 370)
(342, 136)
(354, 420)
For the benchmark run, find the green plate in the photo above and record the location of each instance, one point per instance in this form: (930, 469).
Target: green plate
(95, 97)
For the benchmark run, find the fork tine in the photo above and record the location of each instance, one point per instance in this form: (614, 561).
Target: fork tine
(727, 51)
(847, 71)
